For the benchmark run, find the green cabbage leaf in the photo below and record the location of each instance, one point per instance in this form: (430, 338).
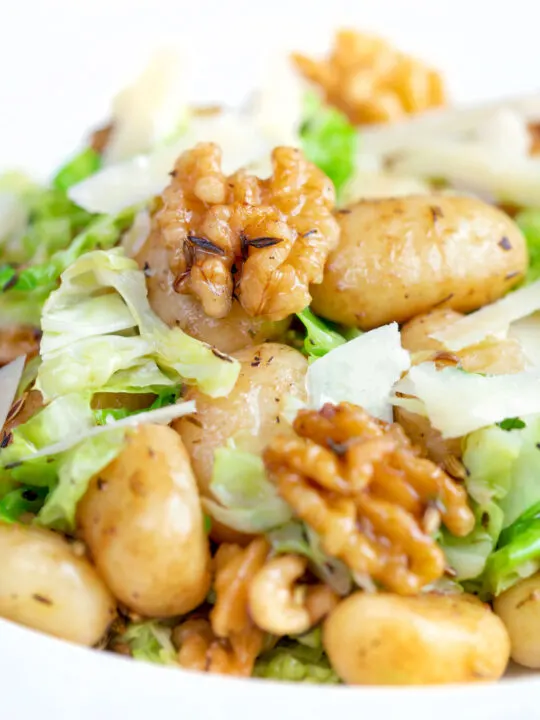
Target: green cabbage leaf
(100, 333)
(245, 499)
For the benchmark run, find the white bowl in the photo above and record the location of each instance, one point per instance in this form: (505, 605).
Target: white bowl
(60, 62)
(44, 677)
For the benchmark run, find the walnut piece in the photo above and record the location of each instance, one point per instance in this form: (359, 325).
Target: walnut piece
(534, 135)
(371, 81)
(99, 139)
(201, 650)
(261, 241)
(360, 484)
(18, 340)
(229, 642)
(21, 410)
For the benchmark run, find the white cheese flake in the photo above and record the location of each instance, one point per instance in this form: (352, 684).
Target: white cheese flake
(491, 320)
(10, 376)
(151, 109)
(363, 371)
(457, 403)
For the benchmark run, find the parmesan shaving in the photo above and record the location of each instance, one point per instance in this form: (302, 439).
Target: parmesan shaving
(363, 371)
(453, 122)
(151, 109)
(527, 333)
(490, 320)
(133, 181)
(10, 376)
(279, 106)
(515, 180)
(457, 403)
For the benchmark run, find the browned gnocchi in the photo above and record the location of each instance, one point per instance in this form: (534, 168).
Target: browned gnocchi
(142, 520)
(47, 586)
(383, 639)
(251, 414)
(519, 609)
(398, 258)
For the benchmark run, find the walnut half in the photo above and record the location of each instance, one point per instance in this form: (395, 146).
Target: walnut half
(18, 340)
(371, 81)
(360, 484)
(261, 241)
(228, 642)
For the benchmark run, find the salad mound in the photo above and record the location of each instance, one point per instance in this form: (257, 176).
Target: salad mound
(269, 379)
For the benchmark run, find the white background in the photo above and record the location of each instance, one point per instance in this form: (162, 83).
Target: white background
(62, 60)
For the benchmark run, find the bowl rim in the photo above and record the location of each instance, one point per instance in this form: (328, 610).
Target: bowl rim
(63, 651)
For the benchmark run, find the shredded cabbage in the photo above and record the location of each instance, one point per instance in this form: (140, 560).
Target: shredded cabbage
(75, 469)
(298, 538)
(296, 661)
(41, 232)
(467, 556)
(10, 377)
(329, 140)
(150, 641)
(85, 347)
(35, 221)
(320, 337)
(529, 222)
(60, 448)
(160, 416)
(518, 552)
(85, 163)
(27, 460)
(246, 500)
(24, 292)
(21, 500)
(503, 464)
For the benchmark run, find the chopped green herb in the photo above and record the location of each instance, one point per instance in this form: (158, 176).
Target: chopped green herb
(512, 424)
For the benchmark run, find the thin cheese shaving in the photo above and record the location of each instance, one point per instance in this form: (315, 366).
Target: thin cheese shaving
(138, 179)
(453, 122)
(362, 371)
(151, 109)
(473, 164)
(457, 403)
(10, 376)
(490, 320)
(527, 333)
